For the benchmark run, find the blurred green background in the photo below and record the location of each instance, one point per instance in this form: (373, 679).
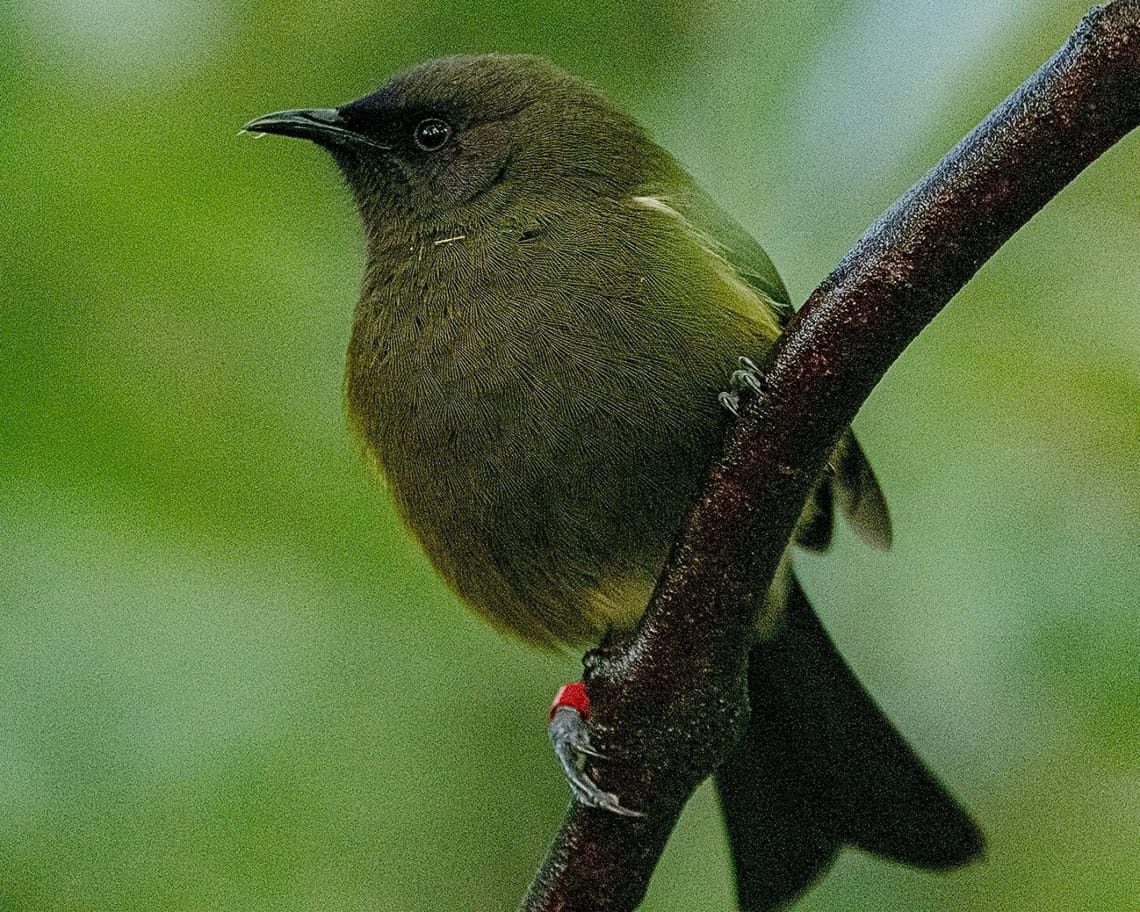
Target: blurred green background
(228, 681)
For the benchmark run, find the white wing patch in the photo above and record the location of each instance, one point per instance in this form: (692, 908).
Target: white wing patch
(658, 204)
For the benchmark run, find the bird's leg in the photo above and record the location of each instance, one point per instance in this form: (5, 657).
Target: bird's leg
(570, 735)
(746, 378)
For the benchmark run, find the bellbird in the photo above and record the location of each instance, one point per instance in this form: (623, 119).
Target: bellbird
(550, 308)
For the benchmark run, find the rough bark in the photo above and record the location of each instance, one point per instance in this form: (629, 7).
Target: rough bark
(669, 701)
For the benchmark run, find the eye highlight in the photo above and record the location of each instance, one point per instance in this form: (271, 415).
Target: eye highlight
(432, 134)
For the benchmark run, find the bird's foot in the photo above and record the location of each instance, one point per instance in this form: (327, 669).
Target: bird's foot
(745, 379)
(570, 735)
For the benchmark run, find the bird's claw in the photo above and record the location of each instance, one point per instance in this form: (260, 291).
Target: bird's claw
(570, 736)
(746, 378)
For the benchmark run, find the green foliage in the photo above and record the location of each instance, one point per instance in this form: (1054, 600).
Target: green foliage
(227, 679)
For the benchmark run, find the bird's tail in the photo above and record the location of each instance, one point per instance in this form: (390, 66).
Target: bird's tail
(821, 768)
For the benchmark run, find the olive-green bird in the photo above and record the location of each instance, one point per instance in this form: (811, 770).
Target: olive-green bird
(550, 311)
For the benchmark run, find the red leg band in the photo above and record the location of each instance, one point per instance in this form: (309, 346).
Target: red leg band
(574, 696)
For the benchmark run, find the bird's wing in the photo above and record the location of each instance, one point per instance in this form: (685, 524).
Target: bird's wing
(747, 258)
(764, 300)
(733, 248)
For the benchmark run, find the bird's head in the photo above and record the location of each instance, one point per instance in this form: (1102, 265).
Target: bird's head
(467, 138)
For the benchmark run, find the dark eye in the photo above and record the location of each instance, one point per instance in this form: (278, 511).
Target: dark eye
(432, 134)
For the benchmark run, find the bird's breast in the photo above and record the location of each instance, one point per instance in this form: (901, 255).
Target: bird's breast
(541, 409)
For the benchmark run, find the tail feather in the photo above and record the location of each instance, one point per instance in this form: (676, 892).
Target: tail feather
(858, 494)
(813, 532)
(821, 768)
(851, 484)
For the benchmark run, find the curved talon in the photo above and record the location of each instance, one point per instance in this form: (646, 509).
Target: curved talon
(742, 380)
(745, 378)
(571, 739)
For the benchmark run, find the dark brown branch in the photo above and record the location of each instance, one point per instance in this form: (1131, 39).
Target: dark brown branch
(670, 701)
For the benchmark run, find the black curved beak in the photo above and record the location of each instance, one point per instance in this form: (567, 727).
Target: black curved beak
(321, 125)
